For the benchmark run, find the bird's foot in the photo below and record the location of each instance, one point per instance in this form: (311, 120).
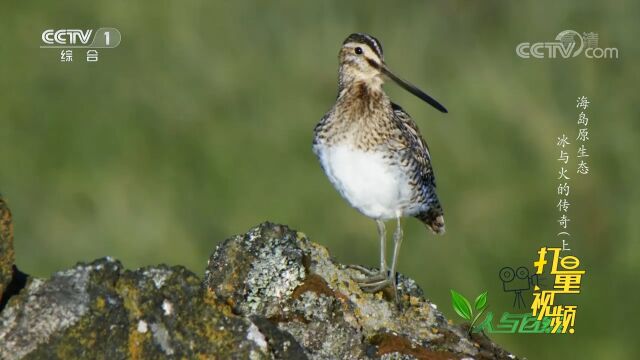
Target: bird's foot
(368, 271)
(374, 281)
(372, 285)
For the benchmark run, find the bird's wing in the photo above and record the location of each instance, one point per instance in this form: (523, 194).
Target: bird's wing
(418, 146)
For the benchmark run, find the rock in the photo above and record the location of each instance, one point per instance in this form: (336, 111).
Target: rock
(7, 256)
(267, 294)
(276, 273)
(100, 308)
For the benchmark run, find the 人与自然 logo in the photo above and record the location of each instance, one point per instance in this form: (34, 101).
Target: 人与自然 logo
(546, 315)
(89, 40)
(567, 44)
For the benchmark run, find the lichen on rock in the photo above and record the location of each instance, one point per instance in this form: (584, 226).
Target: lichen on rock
(308, 295)
(101, 308)
(258, 271)
(267, 294)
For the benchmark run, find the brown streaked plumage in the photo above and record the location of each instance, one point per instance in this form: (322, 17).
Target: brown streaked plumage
(373, 153)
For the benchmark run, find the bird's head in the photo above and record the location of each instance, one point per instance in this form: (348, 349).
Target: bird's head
(362, 60)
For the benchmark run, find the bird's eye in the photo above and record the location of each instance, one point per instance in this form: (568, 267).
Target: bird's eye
(359, 50)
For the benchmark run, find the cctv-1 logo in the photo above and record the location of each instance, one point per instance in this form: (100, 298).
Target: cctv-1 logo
(81, 38)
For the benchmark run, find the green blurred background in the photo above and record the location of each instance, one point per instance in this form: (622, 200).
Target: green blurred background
(199, 126)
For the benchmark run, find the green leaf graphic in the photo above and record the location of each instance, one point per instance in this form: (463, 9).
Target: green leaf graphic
(481, 301)
(461, 305)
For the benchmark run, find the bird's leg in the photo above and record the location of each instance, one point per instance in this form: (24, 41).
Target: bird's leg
(375, 280)
(373, 284)
(397, 241)
(382, 233)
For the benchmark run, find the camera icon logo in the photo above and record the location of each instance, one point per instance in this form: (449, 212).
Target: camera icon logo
(517, 281)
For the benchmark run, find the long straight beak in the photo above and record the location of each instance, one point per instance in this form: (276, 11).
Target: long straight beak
(414, 90)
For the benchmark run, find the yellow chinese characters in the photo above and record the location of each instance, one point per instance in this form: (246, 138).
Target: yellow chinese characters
(567, 280)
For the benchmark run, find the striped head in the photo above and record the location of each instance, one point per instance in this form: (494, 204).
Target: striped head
(362, 61)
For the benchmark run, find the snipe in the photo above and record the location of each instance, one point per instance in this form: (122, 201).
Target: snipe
(373, 153)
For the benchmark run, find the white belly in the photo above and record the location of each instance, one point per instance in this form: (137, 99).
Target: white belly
(367, 181)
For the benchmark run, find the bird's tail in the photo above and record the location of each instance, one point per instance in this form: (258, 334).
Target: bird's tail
(433, 218)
